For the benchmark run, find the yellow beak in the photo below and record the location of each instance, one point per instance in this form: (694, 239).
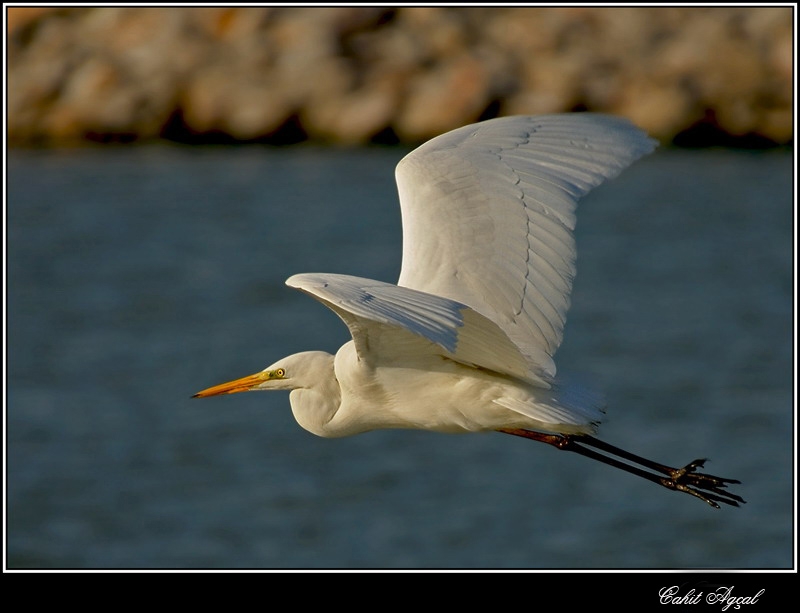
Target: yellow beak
(245, 384)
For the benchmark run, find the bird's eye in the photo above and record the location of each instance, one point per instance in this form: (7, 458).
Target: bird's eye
(280, 372)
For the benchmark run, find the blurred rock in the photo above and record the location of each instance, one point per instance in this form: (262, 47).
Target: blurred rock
(357, 74)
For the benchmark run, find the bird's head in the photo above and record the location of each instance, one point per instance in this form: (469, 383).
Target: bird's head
(272, 378)
(296, 371)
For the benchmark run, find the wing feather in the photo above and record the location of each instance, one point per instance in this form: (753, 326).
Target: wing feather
(488, 213)
(389, 323)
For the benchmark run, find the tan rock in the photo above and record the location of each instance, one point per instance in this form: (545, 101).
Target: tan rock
(349, 73)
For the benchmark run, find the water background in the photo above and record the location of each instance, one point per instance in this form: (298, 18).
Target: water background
(140, 275)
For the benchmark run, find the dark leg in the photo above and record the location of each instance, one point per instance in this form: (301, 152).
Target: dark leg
(680, 479)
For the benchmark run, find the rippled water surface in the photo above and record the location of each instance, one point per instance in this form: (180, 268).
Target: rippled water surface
(138, 276)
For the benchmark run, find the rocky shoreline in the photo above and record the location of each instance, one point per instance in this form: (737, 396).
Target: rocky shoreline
(354, 75)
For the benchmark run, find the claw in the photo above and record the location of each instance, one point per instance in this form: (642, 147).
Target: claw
(689, 468)
(700, 463)
(686, 480)
(700, 495)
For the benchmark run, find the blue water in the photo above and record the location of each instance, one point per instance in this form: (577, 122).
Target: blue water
(140, 275)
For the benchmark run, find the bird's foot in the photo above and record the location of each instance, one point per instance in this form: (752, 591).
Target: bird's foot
(705, 487)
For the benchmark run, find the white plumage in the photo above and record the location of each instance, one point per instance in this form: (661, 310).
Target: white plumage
(465, 341)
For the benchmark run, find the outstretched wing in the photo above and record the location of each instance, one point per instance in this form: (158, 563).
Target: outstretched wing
(489, 210)
(390, 324)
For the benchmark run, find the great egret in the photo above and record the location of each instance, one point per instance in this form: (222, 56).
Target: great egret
(465, 341)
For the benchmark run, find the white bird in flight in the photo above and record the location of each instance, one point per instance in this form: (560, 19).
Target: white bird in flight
(465, 341)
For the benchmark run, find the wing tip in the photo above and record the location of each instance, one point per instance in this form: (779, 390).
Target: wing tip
(296, 281)
(310, 280)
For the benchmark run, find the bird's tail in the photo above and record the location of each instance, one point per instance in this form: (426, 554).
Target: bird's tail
(582, 401)
(568, 407)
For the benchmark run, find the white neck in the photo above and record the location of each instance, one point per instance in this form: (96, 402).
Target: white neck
(315, 403)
